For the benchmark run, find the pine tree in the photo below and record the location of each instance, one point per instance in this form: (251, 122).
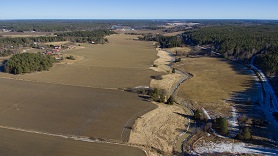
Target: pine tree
(162, 98)
(170, 100)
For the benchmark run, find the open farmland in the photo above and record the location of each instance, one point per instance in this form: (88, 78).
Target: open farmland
(79, 98)
(56, 43)
(173, 33)
(121, 63)
(25, 34)
(99, 113)
(26, 144)
(214, 81)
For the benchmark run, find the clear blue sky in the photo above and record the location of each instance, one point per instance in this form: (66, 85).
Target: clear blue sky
(139, 9)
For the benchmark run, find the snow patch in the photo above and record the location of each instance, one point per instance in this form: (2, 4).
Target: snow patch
(235, 148)
(233, 122)
(206, 114)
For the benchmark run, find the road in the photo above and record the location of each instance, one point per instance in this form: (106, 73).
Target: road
(179, 143)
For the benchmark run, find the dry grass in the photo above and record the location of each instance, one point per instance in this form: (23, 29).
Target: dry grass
(214, 80)
(24, 34)
(163, 66)
(173, 33)
(159, 128)
(162, 62)
(178, 49)
(166, 83)
(15, 143)
(56, 43)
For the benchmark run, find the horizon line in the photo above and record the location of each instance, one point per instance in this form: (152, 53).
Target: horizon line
(270, 19)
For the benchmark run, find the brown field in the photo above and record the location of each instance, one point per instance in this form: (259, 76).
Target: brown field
(24, 34)
(60, 109)
(214, 81)
(25, 144)
(146, 31)
(173, 33)
(150, 31)
(78, 98)
(121, 63)
(56, 43)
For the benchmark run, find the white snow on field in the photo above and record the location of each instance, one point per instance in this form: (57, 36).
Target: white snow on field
(206, 113)
(235, 148)
(233, 123)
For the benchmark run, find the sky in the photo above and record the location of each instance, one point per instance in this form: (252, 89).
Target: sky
(139, 9)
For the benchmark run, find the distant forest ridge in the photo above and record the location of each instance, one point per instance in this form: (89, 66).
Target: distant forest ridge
(54, 25)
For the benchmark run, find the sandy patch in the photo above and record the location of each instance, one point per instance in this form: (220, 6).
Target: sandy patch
(168, 80)
(152, 131)
(162, 62)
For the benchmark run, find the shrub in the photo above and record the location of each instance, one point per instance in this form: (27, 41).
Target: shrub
(174, 70)
(242, 119)
(178, 59)
(155, 95)
(244, 134)
(70, 57)
(197, 114)
(162, 98)
(157, 77)
(221, 125)
(170, 100)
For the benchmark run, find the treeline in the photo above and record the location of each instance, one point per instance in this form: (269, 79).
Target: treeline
(28, 62)
(96, 36)
(53, 25)
(27, 41)
(75, 25)
(240, 42)
(268, 62)
(95, 33)
(10, 45)
(164, 41)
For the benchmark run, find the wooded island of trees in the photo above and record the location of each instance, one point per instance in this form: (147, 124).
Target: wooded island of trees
(164, 41)
(28, 62)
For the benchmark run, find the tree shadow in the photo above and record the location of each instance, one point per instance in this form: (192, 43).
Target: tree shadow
(185, 115)
(2, 65)
(249, 102)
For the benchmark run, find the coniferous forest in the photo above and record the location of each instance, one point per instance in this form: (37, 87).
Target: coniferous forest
(241, 42)
(28, 62)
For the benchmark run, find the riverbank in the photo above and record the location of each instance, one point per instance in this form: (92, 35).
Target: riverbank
(163, 65)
